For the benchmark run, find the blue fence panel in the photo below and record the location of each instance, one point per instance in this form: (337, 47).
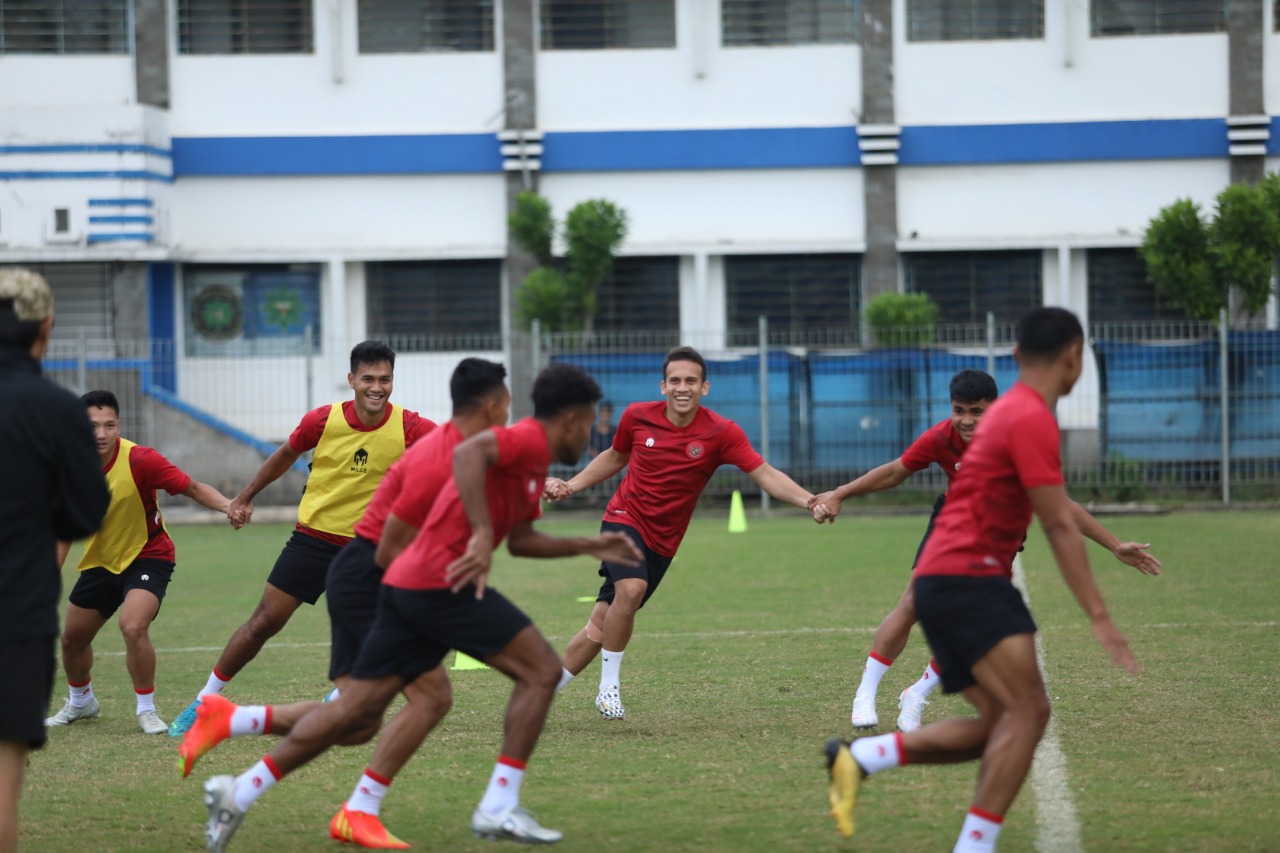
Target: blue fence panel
(1254, 363)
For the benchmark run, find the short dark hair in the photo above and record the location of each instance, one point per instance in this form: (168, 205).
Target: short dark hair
(473, 380)
(973, 386)
(20, 334)
(1043, 333)
(101, 400)
(685, 354)
(563, 386)
(372, 352)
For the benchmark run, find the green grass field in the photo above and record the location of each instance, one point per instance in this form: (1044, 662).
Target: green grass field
(741, 667)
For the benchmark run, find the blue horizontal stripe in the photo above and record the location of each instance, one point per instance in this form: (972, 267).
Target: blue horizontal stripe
(86, 148)
(121, 202)
(142, 237)
(121, 220)
(1063, 142)
(754, 148)
(117, 175)
(1273, 144)
(337, 155)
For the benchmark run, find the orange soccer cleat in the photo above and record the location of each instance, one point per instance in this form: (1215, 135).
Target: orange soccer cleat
(364, 830)
(212, 727)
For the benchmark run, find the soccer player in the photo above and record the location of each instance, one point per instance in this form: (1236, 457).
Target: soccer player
(355, 442)
(972, 393)
(55, 491)
(126, 566)
(670, 449)
(480, 400)
(974, 618)
(434, 598)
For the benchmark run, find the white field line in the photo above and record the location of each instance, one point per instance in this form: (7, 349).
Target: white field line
(714, 635)
(1057, 827)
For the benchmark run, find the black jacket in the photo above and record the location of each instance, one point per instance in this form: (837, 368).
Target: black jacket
(52, 489)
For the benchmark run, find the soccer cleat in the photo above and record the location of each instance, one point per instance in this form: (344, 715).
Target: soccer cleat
(70, 713)
(212, 727)
(846, 776)
(609, 704)
(151, 724)
(911, 704)
(864, 712)
(224, 817)
(179, 726)
(515, 824)
(363, 830)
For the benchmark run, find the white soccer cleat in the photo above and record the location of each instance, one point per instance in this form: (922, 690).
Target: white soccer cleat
(515, 824)
(911, 704)
(609, 704)
(151, 724)
(864, 712)
(70, 713)
(224, 817)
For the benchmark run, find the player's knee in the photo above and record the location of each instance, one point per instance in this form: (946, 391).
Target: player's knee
(134, 630)
(265, 624)
(629, 594)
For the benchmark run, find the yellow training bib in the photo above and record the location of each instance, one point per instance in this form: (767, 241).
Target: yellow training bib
(123, 533)
(346, 467)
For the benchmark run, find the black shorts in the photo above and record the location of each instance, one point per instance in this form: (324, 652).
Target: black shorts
(652, 570)
(928, 530)
(353, 583)
(964, 618)
(415, 629)
(104, 591)
(301, 568)
(28, 677)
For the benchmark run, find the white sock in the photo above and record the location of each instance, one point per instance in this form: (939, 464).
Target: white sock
(928, 682)
(881, 752)
(146, 701)
(504, 786)
(367, 797)
(979, 833)
(81, 694)
(251, 720)
(872, 672)
(213, 685)
(251, 785)
(565, 677)
(610, 665)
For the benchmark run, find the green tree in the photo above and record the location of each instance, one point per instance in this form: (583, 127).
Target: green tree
(903, 319)
(1196, 262)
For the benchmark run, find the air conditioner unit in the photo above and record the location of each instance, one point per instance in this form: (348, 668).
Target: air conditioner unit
(61, 226)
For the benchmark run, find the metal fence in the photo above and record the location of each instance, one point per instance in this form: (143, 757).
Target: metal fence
(1162, 410)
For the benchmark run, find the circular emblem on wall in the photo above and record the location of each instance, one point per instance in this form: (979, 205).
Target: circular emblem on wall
(694, 449)
(217, 313)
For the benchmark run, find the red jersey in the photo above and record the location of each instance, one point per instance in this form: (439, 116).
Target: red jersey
(939, 444)
(426, 467)
(152, 471)
(987, 513)
(669, 468)
(307, 435)
(513, 488)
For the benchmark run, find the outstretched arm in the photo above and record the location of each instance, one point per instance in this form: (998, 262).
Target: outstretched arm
(780, 486)
(281, 460)
(607, 463)
(525, 541)
(1057, 517)
(1130, 553)
(207, 496)
(887, 476)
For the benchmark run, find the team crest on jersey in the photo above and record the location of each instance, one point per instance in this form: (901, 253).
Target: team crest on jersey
(695, 449)
(360, 461)
(648, 442)
(533, 487)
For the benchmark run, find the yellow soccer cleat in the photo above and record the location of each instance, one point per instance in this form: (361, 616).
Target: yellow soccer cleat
(363, 830)
(212, 727)
(846, 776)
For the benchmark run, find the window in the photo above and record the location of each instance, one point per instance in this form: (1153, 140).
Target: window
(1157, 17)
(263, 309)
(421, 26)
(244, 26)
(598, 24)
(64, 26)
(1119, 289)
(966, 285)
(801, 295)
(746, 23)
(418, 306)
(641, 295)
(82, 300)
(974, 20)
